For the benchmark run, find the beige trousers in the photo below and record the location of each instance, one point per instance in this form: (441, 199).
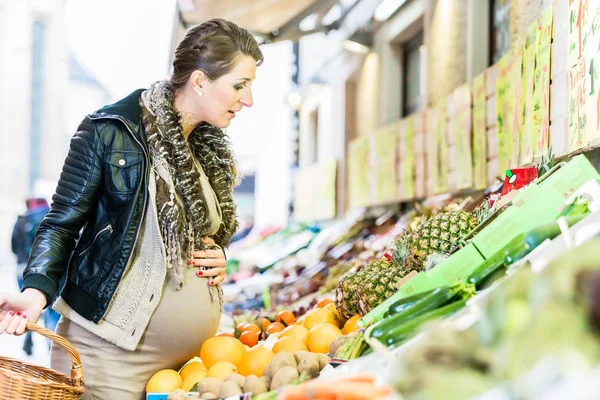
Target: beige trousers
(181, 323)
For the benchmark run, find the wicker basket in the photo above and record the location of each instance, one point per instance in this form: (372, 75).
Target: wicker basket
(23, 381)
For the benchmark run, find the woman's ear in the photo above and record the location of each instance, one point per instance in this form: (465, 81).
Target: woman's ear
(197, 80)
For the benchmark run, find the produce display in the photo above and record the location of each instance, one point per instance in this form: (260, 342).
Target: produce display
(434, 289)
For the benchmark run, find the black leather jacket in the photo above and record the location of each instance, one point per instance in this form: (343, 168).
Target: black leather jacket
(102, 189)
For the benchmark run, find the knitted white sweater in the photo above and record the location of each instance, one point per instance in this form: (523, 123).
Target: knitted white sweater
(139, 291)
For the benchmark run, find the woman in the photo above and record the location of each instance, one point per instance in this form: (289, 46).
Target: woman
(150, 180)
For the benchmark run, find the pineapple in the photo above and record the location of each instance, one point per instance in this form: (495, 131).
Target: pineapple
(440, 234)
(378, 287)
(346, 294)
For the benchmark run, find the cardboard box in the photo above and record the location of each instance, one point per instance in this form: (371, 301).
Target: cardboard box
(420, 121)
(491, 77)
(493, 170)
(491, 114)
(492, 143)
(420, 188)
(536, 205)
(419, 142)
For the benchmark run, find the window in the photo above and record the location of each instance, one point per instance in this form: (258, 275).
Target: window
(37, 93)
(411, 79)
(500, 32)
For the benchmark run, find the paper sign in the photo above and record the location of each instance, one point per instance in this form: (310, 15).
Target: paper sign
(528, 141)
(479, 134)
(462, 137)
(577, 106)
(575, 32)
(358, 172)
(541, 91)
(441, 144)
(590, 120)
(505, 110)
(407, 162)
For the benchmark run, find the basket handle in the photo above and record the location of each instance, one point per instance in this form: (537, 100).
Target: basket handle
(76, 368)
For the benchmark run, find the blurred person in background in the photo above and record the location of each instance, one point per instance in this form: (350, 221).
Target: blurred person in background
(22, 239)
(150, 180)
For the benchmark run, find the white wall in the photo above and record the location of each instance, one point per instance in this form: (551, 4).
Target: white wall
(16, 25)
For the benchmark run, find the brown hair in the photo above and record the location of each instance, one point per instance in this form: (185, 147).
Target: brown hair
(212, 47)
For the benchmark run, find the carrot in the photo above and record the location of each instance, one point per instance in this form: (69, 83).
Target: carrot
(344, 391)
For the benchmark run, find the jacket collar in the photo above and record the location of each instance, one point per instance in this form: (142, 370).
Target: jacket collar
(126, 110)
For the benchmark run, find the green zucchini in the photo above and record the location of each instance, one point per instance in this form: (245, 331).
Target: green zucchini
(481, 274)
(405, 302)
(398, 334)
(433, 300)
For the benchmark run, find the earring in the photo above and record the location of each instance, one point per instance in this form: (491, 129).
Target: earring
(200, 94)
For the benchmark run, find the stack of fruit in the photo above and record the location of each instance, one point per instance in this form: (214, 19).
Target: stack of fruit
(250, 358)
(364, 288)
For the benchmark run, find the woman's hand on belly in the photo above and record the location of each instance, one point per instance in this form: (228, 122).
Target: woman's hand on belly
(211, 262)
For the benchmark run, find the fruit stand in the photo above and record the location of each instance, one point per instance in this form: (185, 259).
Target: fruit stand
(470, 293)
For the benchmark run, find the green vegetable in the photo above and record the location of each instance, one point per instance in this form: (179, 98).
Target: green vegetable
(407, 302)
(481, 274)
(431, 301)
(527, 242)
(404, 331)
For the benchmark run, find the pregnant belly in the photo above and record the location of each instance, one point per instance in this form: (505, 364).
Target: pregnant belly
(182, 321)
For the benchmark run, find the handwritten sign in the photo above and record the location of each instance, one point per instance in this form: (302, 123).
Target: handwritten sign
(577, 107)
(325, 177)
(541, 91)
(479, 134)
(528, 138)
(358, 173)
(575, 32)
(441, 134)
(406, 135)
(590, 120)
(462, 137)
(383, 161)
(505, 110)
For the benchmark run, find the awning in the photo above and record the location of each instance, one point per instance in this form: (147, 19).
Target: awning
(272, 20)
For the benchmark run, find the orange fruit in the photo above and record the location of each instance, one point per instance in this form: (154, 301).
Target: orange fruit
(274, 327)
(323, 303)
(331, 307)
(164, 381)
(252, 328)
(221, 370)
(225, 334)
(190, 367)
(286, 318)
(263, 323)
(289, 344)
(296, 331)
(255, 361)
(242, 326)
(319, 316)
(222, 348)
(192, 379)
(320, 337)
(351, 325)
(249, 338)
